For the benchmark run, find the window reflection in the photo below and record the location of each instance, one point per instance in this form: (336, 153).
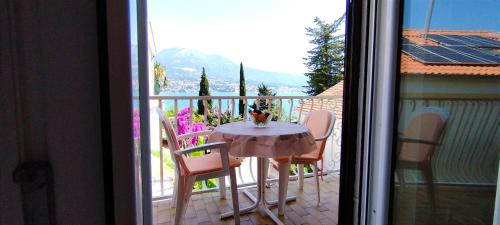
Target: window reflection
(449, 124)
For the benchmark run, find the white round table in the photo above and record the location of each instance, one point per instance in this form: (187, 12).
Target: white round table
(277, 140)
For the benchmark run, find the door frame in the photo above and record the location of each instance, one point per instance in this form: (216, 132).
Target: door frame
(116, 114)
(369, 112)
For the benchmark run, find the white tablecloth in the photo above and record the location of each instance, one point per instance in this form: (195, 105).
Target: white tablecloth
(278, 139)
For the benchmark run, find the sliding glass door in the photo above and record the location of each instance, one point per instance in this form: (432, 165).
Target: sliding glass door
(447, 136)
(429, 122)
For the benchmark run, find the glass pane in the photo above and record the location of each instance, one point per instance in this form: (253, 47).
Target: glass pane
(449, 125)
(135, 105)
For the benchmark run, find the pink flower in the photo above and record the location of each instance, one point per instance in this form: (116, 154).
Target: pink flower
(183, 126)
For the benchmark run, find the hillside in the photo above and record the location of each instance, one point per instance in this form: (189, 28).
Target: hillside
(187, 64)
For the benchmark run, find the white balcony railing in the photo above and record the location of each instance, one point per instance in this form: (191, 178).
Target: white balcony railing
(289, 108)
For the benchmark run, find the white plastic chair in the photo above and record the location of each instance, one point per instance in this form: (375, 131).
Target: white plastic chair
(217, 164)
(418, 143)
(321, 123)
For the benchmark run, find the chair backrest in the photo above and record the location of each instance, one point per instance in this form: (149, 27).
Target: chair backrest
(321, 123)
(428, 124)
(173, 142)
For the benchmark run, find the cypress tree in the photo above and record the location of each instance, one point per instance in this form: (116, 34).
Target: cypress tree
(204, 91)
(243, 91)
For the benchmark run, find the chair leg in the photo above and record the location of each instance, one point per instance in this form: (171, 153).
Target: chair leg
(184, 194)
(322, 169)
(222, 187)
(301, 176)
(234, 195)
(179, 200)
(284, 170)
(174, 193)
(315, 171)
(427, 172)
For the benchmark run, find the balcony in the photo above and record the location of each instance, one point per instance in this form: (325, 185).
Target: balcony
(290, 109)
(295, 108)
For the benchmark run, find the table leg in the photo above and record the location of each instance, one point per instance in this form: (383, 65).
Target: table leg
(260, 200)
(256, 201)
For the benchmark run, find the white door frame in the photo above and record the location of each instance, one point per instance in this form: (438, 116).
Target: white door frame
(379, 108)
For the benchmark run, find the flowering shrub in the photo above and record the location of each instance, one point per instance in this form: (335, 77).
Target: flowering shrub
(225, 117)
(136, 124)
(183, 126)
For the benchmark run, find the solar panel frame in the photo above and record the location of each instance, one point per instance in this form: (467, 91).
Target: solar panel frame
(469, 41)
(458, 58)
(442, 39)
(424, 56)
(406, 41)
(491, 59)
(484, 39)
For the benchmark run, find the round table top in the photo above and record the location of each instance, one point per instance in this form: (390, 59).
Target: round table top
(278, 139)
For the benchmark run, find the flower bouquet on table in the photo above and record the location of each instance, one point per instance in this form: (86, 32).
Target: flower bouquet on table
(261, 118)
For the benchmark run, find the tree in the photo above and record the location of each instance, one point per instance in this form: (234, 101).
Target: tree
(204, 91)
(243, 90)
(160, 77)
(263, 90)
(325, 61)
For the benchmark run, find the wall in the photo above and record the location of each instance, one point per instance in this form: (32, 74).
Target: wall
(472, 134)
(51, 49)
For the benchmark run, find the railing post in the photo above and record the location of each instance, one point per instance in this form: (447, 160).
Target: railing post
(176, 110)
(160, 105)
(245, 106)
(219, 101)
(232, 110)
(191, 119)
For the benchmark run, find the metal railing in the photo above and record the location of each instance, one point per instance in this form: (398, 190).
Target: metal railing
(471, 137)
(288, 108)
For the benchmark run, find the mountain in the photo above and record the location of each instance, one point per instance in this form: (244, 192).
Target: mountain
(187, 64)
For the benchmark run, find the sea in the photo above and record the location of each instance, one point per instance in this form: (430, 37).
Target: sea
(169, 104)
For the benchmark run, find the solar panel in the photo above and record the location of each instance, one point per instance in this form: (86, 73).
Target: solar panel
(424, 56)
(471, 41)
(406, 41)
(445, 40)
(458, 58)
(487, 40)
(486, 57)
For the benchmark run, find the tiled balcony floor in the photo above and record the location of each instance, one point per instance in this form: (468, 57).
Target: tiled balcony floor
(206, 208)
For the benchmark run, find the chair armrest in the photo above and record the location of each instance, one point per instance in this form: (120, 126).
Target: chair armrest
(213, 145)
(417, 141)
(322, 138)
(194, 134)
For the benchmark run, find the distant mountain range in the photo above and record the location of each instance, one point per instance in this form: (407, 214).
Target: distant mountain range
(187, 64)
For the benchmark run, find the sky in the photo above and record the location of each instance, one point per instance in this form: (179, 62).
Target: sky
(270, 34)
(454, 14)
(263, 34)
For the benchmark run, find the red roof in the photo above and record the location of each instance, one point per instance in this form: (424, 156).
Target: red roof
(412, 66)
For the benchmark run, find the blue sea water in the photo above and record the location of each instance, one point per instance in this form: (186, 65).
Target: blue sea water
(169, 104)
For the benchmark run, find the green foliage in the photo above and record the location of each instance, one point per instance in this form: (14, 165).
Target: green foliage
(294, 169)
(243, 91)
(204, 91)
(264, 105)
(160, 77)
(325, 61)
(166, 157)
(225, 117)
